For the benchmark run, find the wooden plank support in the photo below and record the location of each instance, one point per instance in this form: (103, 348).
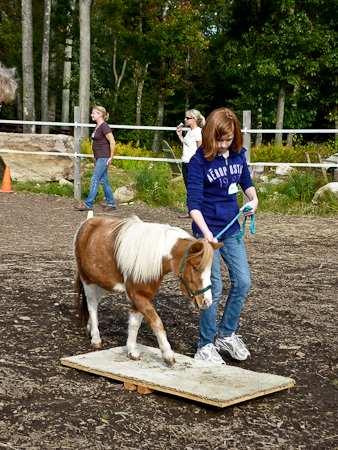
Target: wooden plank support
(144, 390)
(137, 387)
(130, 386)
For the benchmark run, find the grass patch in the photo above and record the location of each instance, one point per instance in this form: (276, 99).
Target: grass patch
(42, 187)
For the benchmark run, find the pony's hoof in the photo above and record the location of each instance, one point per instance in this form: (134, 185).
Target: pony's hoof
(134, 358)
(97, 345)
(170, 362)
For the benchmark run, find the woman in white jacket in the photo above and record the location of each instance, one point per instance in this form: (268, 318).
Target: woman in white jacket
(191, 141)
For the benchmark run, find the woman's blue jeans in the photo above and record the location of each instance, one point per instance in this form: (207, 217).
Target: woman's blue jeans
(100, 175)
(234, 255)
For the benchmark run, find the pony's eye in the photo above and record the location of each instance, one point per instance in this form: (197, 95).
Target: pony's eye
(195, 269)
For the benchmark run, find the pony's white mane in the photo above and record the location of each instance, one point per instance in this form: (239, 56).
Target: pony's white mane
(141, 246)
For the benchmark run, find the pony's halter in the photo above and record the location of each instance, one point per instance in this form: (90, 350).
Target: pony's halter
(192, 294)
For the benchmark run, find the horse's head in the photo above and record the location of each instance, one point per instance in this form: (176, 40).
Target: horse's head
(196, 270)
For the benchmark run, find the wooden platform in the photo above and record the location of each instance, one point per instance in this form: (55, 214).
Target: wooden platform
(218, 385)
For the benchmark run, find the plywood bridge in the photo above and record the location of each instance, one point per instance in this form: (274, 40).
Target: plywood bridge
(213, 384)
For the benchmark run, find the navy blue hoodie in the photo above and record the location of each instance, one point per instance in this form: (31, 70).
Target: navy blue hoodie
(212, 188)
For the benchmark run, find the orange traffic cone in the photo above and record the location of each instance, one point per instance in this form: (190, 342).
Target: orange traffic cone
(6, 182)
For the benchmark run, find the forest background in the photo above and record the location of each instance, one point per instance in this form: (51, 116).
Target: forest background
(147, 62)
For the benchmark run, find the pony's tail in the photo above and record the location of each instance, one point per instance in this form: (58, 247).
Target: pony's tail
(80, 303)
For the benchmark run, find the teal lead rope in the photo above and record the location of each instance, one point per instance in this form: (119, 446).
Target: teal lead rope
(252, 228)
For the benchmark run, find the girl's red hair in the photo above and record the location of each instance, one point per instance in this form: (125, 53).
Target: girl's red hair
(221, 122)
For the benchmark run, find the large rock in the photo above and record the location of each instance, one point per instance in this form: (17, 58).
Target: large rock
(124, 193)
(256, 171)
(284, 171)
(35, 167)
(332, 187)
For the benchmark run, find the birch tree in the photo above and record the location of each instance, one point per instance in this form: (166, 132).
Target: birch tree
(67, 69)
(118, 78)
(280, 112)
(27, 65)
(45, 66)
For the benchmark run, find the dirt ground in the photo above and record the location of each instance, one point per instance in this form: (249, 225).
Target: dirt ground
(289, 323)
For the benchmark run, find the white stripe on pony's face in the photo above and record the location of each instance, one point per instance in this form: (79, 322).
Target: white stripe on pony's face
(206, 280)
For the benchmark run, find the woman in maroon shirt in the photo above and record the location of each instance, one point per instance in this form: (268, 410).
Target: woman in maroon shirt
(103, 149)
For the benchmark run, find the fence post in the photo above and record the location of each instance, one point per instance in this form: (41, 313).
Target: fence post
(247, 142)
(247, 136)
(77, 149)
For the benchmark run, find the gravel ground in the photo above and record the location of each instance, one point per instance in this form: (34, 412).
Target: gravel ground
(289, 323)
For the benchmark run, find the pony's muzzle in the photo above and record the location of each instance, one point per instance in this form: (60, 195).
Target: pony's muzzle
(201, 306)
(206, 303)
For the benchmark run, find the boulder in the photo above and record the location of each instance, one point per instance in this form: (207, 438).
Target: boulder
(124, 193)
(35, 167)
(284, 171)
(64, 182)
(276, 181)
(264, 179)
(332, 187)
(256, 171)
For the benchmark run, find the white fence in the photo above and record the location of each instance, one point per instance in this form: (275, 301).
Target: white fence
(77, 125)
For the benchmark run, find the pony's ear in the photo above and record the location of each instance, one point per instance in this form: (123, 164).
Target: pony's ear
(217, 245)
(196, 247)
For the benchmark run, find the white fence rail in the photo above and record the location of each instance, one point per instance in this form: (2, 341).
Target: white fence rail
(77, 155)
(136, 127)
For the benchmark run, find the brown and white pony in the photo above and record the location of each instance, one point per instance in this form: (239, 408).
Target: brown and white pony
(132, 256)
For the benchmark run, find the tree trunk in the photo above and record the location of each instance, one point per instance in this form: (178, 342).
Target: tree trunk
(289, 139)
(187, 91)
(158, 123)
(19, 107)
(84, 88)
(280, 112)
(67, 70)
(140, 74)
(27, 65)
(336, 116)
(258, 6)
(259, 136)
(45, 67)
(118, 79)
(52, 106)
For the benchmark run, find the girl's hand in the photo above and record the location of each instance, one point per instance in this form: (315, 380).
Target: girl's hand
(209, 236)
(178, 131)
(109, 161)
(253, 204)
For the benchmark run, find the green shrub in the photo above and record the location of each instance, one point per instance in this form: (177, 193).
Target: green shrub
(283, 153)
(129, 149)
(300, 186)
(154, 186)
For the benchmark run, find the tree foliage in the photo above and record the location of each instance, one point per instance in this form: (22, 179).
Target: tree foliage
(196, 55)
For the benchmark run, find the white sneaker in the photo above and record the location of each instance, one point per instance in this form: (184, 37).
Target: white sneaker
(233, 345)
(209, 353)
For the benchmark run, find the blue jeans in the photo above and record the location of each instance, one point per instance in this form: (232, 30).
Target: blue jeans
(234, 256)
(100, 175)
